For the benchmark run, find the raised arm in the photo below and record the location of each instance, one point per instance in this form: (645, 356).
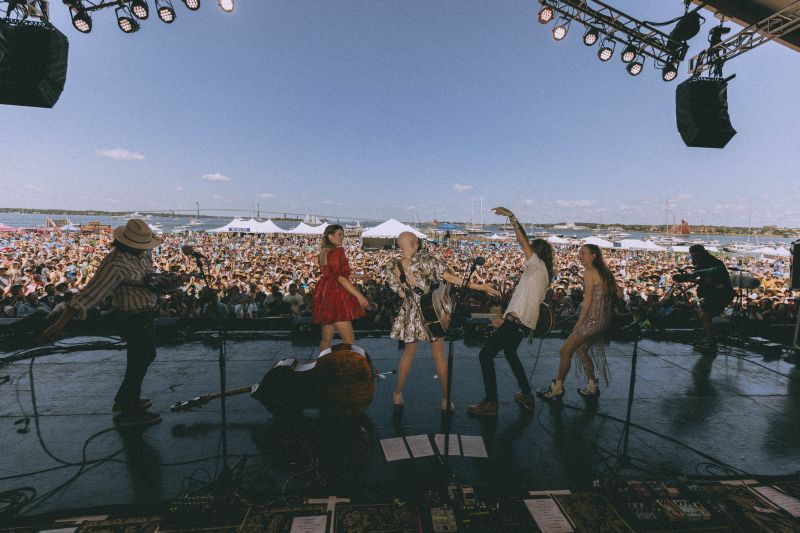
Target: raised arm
(519, 231)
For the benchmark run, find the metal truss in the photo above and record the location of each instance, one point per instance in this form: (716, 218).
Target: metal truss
(11, 10)
(620, 27)
(783, 22)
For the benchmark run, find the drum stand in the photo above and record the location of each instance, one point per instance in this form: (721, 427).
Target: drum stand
(451, 334)
(225, 476)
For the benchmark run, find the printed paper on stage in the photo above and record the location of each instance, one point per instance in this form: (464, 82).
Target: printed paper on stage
(453, 448)
(548, 516)
(420, 445)
(309, 524)
(472, 446)
(394, 449)
(781, 499)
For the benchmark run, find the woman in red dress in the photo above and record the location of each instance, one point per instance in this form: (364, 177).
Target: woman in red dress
(336, 300)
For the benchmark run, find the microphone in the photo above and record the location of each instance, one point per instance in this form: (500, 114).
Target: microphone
(188, 249)
(480, 260)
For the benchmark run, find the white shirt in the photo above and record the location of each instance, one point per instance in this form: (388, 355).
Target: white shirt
(530, 292)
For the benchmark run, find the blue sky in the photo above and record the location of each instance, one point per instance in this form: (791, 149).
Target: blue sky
(402, 108)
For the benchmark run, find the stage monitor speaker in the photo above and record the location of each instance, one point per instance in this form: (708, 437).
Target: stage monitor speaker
(33, 63)
(701, 109)
(796, 265)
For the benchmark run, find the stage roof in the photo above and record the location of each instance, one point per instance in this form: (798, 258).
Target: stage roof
(747, 12)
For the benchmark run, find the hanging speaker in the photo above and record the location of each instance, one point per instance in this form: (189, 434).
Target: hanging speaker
(33, 63)
(796, 265)
(701, 109)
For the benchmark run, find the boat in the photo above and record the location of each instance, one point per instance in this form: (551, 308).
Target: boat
(569, 225)
(55, 223)
(477, 229)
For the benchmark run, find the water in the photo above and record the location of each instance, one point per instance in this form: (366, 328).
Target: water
(182, 222)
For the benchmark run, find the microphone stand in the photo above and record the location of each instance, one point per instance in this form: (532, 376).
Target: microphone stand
(225, 477)
(451, 334)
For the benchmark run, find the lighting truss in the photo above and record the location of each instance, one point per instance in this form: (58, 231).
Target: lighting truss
(784, 21)
(619, 27)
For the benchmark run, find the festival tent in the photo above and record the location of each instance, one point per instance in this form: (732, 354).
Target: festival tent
(636, 244)
(769, 251)
(555, 239)
(237, 225)
(679, 249)
(70, 227)
(496, 237)
(304, 229)
(597, 241)
(384, 235)
(269, 227)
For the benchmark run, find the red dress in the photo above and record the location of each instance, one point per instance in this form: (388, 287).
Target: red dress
(332, 302)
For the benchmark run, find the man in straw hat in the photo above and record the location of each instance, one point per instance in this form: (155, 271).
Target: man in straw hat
(121, 274)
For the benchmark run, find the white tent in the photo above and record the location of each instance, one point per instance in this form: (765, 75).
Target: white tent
(70, 227)
(269, 227)
(496, 237)
(597, 241)
(769, 251)
(636, 244)
(304, 229)
(237, 225)
(679, 249)
(555, 239)
(391, 229)
(384, 235)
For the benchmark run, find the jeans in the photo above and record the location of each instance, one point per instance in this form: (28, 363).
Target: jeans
(506, 338)
(138, 331)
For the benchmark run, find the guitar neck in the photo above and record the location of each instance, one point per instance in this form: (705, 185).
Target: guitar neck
(231, 392)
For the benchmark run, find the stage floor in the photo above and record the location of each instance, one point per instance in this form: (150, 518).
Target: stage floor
(736, 408)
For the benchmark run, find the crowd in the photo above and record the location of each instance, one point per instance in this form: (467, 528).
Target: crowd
(259, 276)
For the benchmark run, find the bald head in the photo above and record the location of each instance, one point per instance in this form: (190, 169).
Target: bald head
(407, 241)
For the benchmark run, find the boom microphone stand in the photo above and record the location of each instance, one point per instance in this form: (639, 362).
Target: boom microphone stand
(226, 476)
(451, 334)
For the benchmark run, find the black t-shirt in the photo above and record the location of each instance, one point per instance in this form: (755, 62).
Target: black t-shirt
(714, 284)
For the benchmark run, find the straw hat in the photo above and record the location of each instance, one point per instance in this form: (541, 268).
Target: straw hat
(136, 234)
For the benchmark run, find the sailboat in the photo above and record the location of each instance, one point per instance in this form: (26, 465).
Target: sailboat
(472, 228)
(196, 220)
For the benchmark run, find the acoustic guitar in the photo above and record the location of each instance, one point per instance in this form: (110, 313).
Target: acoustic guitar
(340, 382)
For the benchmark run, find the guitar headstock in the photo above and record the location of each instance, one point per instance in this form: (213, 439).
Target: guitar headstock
(189, 404)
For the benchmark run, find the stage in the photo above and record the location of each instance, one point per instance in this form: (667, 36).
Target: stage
(695, 417)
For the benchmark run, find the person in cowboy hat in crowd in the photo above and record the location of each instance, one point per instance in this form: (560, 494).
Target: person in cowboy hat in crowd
(121, 275)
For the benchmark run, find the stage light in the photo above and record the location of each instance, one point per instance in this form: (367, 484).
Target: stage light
(606, 50)
(560, 30)
(226, 5)
(669, 72)
(81, 19)
(635, 67)
(193, 5)
(628, 54)
(546, 14)
(591, 36)
(140, 9)
(165, 11)
(125, 20)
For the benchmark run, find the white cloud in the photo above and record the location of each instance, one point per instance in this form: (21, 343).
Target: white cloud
(681, 197)
(574, 203)
(179, 188)
(120, 154)
(459, 188)
(327, 202)
(266, 195)
(216, 177)
(410, 208)
(217, 197)
(528, 201)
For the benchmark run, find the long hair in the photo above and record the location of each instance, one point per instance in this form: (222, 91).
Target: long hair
(544, 251)
(329, 230)
(605, 273)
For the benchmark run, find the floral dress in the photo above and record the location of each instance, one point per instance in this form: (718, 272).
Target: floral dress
(426, 269)
(589, 332)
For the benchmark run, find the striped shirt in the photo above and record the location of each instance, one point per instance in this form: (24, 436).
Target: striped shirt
(114, 276)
